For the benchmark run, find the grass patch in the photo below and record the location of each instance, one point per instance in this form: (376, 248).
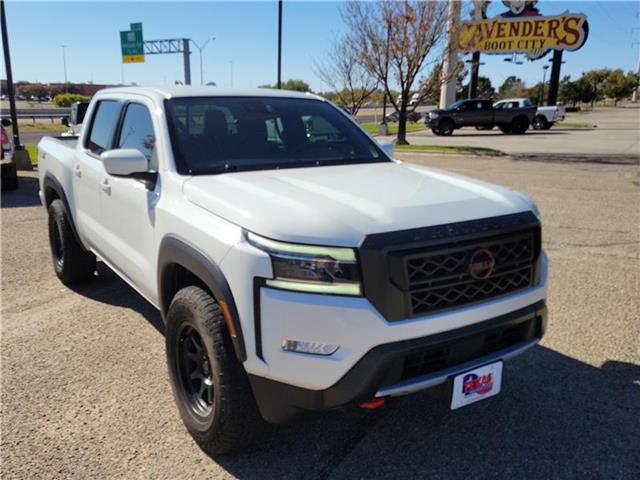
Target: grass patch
(373, 128)
(32, 149)
(27, 126)
(451, 149)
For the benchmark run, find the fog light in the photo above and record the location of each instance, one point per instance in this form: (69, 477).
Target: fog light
(313, 348)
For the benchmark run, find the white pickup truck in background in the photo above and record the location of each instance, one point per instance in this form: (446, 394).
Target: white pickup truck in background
(544, 118)
(297, 266)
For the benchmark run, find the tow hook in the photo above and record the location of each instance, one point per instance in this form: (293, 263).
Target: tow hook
(373, 404)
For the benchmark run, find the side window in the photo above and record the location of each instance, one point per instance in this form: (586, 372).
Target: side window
(137, 132)
(464, 107)
(103, 126)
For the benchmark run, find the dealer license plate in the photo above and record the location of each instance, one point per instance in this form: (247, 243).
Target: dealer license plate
(476, 385)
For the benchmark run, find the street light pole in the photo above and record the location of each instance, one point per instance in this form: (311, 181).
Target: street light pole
(64, 64)
(200, 49)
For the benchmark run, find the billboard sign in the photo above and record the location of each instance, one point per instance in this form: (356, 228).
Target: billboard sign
(522, 29)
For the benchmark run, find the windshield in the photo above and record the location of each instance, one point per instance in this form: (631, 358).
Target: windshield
(220, 134)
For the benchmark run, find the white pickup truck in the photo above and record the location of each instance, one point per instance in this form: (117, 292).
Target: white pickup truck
(297, 266)
(544, 118)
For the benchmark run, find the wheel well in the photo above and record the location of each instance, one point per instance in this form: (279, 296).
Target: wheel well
(175, 278)
(50, 194)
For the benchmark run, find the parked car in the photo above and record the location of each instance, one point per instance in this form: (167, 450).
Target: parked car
(296, 265)
(412, 116)
(480, 114)
(544, 118)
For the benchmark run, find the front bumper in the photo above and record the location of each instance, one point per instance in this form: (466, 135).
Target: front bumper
(406, 366)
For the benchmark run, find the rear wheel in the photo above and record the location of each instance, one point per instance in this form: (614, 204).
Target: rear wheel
(210, 386)
(71, 262)
(446, 127)
(519, 125)
(540, 123)
(506, 129)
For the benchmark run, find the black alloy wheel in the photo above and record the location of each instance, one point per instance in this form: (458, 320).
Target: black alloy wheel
(195, 371)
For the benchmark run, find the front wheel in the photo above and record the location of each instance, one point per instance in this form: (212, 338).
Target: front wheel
(210, 386)
(71, 262)
(446, 127)
(540, 123)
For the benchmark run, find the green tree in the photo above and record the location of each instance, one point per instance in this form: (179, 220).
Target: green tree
(594, 80)
(291, 84)
(66, 99)
(511, 87)
(618, 85)
(485, 89)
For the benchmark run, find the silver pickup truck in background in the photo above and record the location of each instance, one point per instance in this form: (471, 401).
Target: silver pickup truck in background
(544, 118)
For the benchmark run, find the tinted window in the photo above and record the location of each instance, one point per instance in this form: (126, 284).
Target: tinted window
(217, 134)
(103, 126)
(137, 132)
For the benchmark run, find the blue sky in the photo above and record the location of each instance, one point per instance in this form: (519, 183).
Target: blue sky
(246, 35)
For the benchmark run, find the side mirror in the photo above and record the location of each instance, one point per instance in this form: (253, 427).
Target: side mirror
(65, 121)
(124, 162)
(388, 148)
(6, 122)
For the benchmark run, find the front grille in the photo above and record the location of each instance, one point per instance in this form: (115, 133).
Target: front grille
(438, 357)
(441, 279)
(421, 271)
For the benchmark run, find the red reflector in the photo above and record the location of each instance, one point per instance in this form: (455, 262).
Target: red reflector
(373, 404)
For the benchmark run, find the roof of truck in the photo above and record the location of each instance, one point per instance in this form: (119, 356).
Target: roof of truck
(208, 91)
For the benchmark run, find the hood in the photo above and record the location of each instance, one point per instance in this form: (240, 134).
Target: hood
(340, 205)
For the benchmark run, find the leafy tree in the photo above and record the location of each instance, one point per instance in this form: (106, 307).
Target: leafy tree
(33, 90)
(511, 87)
(594, 80)
(618, 85)
(485, 89)
(291, 84)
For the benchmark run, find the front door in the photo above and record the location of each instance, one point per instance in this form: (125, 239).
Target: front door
(128, 205)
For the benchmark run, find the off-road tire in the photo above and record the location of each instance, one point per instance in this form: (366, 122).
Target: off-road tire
(506, 129)
(234, 419)
(71, 262)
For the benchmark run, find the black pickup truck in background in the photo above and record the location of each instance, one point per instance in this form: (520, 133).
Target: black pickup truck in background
(480, 114)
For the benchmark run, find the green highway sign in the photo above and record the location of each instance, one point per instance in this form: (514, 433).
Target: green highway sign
(132, 44)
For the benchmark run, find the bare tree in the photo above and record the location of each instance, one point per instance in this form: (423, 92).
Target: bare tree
(394, 41)
(343, 72)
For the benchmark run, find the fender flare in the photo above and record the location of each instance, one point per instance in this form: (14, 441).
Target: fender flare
(52, 182)
(175, 251)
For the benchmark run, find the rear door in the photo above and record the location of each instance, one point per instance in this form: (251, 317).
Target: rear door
(128, 205)
(88, 169)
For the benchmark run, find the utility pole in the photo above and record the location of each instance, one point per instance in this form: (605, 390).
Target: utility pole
(279, 44)
(554, 78)
(64, 64)
(448, 88)
(187, 62)
(20, 155)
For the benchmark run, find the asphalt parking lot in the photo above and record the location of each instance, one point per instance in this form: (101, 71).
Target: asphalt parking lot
(613, 133)
(85, 391)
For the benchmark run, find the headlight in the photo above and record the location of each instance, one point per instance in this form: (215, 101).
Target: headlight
(433, 115)
(309, 268)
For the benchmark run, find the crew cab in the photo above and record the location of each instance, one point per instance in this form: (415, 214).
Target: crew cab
(544, 118)
(480, 114)
(296, 264)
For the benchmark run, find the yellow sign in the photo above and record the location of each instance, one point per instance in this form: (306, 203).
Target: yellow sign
(132, 58)
(533, 35)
